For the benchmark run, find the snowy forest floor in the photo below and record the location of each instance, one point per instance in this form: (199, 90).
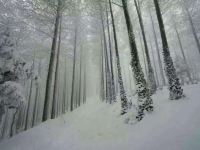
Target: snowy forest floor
(174, 125)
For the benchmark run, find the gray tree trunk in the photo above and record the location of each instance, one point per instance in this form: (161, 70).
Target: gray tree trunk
(74, 70)
(176, 92)
(49, 83)
(124, 102)
(144, 100)
(151, 77)
(113, 93)
(55, 91)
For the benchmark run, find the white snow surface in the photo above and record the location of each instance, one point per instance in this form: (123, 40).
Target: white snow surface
(174, 125)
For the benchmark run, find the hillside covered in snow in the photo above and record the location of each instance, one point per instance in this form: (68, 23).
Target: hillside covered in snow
(174, 125)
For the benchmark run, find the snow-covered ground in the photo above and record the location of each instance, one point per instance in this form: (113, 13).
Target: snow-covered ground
(174, 125)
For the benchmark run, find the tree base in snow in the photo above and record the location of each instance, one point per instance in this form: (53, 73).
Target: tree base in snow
(147, 105)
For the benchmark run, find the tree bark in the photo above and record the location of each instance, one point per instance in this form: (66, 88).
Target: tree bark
(113, 96)
(154, 63)
(65, 88)
(29, 98)
(144, 100)
(124, 102)
(176, 92)
(74, 70)
(49, 83)
(151, 77)
(107, 69)
(55, 91)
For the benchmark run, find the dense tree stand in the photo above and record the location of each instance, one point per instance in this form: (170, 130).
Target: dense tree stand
(76, 64)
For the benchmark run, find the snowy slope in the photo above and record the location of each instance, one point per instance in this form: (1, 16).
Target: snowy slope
(174, 125)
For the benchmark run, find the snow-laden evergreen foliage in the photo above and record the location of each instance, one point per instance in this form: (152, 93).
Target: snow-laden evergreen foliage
(12, 74)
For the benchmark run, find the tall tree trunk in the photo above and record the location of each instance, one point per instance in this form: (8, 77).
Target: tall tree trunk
(49, 83)
(151, 77)
(108, 77)
(35, 108)
(74, 70)
(27, 121)
(107, 70)
(157, 50)
(144, 99)
(85, 86)
(65, 88)
(124, 102)
(144, 58)
(176, 92)
(102, 71)
(55, 91)
(12, 130)
(113, 96)
(154, 63)
(80, 77)
(85, 82)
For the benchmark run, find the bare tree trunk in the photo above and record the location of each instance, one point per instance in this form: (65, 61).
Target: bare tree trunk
(13, 123)
(143, 55)
(154, 63)
(113, 93)
(80, 77)
(5, 123)
(64, 88)
(85, 82)
(102, 71)
(55, 91)
(107, 69)
(35, 104)
(49, 83)
(124, 102)
(35, 107)
(74, 70)
(30, 95)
